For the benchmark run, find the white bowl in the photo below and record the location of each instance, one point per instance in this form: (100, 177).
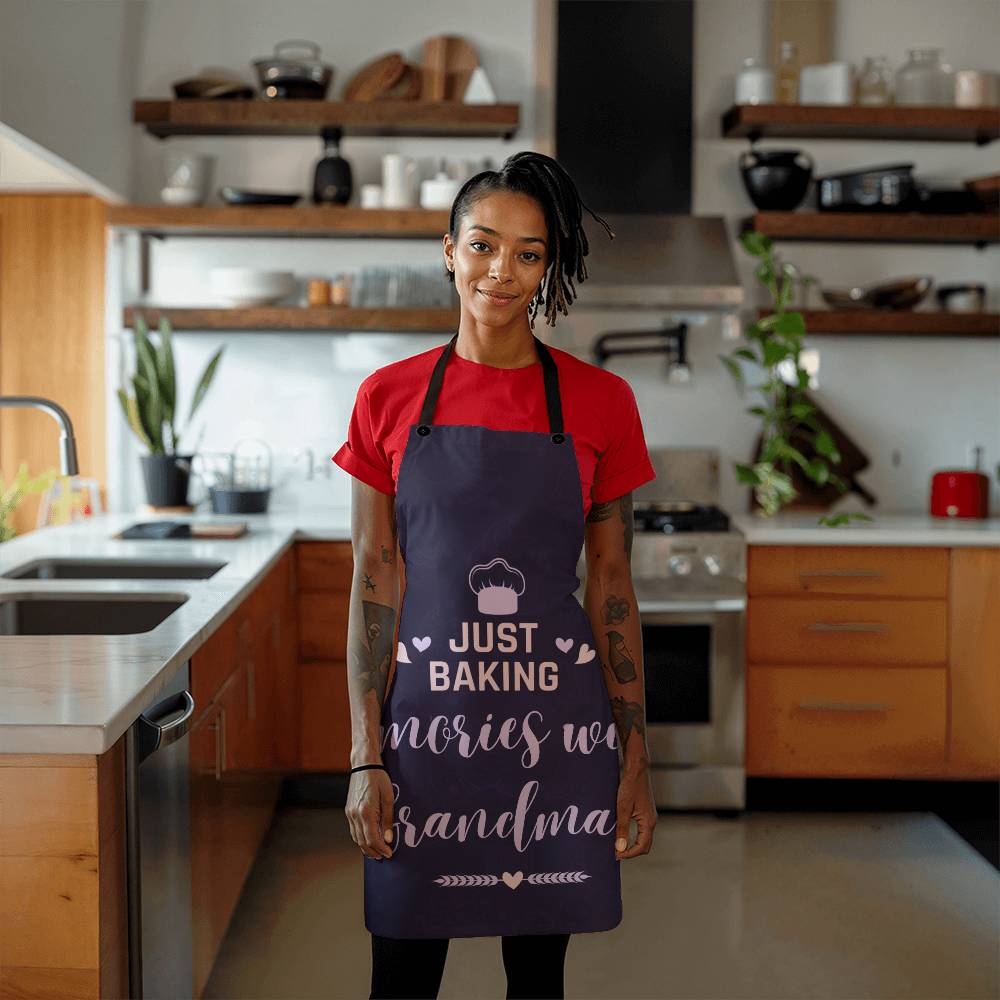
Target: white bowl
(180, 196)
(250, 286)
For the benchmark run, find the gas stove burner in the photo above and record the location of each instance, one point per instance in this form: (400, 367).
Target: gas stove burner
(679, 515)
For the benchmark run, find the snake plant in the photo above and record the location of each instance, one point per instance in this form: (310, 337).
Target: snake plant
(151, 407)
(786, 414)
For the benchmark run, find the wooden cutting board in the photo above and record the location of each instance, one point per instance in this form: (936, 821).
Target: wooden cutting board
(375, 77)
(448, 64)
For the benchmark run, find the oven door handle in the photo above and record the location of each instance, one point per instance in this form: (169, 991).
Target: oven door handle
(696, 605)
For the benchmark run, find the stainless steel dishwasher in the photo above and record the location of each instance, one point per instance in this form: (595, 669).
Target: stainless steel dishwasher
(158, 844)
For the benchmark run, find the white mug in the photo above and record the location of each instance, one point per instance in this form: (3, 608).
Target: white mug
(371, 195)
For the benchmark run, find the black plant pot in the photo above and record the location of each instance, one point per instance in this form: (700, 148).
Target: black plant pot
(166, 478)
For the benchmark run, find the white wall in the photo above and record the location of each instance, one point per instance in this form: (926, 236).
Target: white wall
(68, 71)
(913, 405)
(297, 389)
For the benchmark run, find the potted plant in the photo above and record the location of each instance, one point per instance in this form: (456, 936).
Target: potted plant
(789, 420)
(20, 487)
(150, 411)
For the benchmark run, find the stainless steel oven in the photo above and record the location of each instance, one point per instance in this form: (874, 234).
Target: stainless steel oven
(695, 697)
(689, 575)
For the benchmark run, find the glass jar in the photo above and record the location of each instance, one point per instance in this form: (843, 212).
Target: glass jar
(875, 82)
(754, 83)
(786, 82)
(924, 79)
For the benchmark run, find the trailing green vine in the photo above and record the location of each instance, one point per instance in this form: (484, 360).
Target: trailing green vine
(787, 416)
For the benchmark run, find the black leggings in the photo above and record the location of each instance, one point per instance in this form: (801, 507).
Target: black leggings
(411, 968)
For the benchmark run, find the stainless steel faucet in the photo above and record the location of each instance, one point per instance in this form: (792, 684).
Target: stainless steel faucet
(67, 442)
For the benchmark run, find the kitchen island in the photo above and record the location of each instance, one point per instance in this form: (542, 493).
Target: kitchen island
(78, 694)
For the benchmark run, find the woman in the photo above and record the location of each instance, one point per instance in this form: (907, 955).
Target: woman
(486, 793)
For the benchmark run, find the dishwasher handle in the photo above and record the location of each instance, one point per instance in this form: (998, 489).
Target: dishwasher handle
(153, 734)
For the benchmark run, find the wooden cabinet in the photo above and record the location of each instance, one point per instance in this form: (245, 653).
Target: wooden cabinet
(63, 887)
(238, 749)
(974, 664)
(873, 661)
(324, 571)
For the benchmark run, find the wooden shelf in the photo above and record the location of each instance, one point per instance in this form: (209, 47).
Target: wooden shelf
(397, 320)
(276, 220)
(259, 117)
(910, 323)
(894, 122)
(871, 227)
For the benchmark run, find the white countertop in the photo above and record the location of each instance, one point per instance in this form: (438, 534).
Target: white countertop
(796, 528)
(78, 694)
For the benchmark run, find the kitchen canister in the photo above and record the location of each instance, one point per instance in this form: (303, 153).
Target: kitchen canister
(399, 174)
(975, 88)
(754, 83)
(439, 191)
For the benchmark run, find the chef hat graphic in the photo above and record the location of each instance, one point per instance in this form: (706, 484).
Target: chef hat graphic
(497, 586)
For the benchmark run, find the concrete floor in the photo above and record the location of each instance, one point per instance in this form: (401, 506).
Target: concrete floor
(766, 905)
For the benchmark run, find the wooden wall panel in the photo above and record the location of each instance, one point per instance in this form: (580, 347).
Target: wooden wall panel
(52, 258)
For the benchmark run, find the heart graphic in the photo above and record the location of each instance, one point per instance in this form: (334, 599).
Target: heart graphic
(513, 880)
(585, 654)
(421, 644)
(401, 655)
(565, 644)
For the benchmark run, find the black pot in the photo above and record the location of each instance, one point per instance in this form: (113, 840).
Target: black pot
(776, 179)
(166, 478)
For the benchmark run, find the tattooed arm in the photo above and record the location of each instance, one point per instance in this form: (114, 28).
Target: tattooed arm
(371, 640)
(374, 609)
(609, 600)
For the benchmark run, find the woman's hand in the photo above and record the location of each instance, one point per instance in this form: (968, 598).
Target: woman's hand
(635, 801)
(369, 812)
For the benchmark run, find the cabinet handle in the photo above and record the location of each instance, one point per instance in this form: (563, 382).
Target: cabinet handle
(219, 727)
(251, 691)
(843, 706)
(868, 573)
(222, 728)
(848, 627)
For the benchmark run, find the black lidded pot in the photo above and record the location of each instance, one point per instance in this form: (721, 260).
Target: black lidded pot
(776, 179)
(332, 181)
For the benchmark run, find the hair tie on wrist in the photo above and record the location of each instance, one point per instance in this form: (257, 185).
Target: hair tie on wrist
(363, 767)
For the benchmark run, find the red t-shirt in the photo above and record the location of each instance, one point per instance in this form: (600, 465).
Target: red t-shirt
(599, 410)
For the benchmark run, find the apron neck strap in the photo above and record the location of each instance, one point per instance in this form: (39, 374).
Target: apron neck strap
(549, 373)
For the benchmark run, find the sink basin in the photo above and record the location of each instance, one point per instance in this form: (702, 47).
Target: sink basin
(113, 569)
(81, 614)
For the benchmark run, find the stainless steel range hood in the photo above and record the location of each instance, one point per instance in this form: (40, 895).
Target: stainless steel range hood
(659, 262)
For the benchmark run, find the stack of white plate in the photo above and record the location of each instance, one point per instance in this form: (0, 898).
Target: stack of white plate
(251, 286)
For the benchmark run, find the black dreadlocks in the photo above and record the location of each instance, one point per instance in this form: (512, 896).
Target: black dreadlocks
(542, 178)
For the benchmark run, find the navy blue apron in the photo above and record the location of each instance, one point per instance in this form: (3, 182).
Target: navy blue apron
(497, 732)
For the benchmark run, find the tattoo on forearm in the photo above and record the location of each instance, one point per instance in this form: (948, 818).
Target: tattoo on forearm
(388, 555)
(372, 662)
(601, 511)
(616, 610)
(369, 585)
(620, 658)
(628, 716)
(628, 521)
(623, 505)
